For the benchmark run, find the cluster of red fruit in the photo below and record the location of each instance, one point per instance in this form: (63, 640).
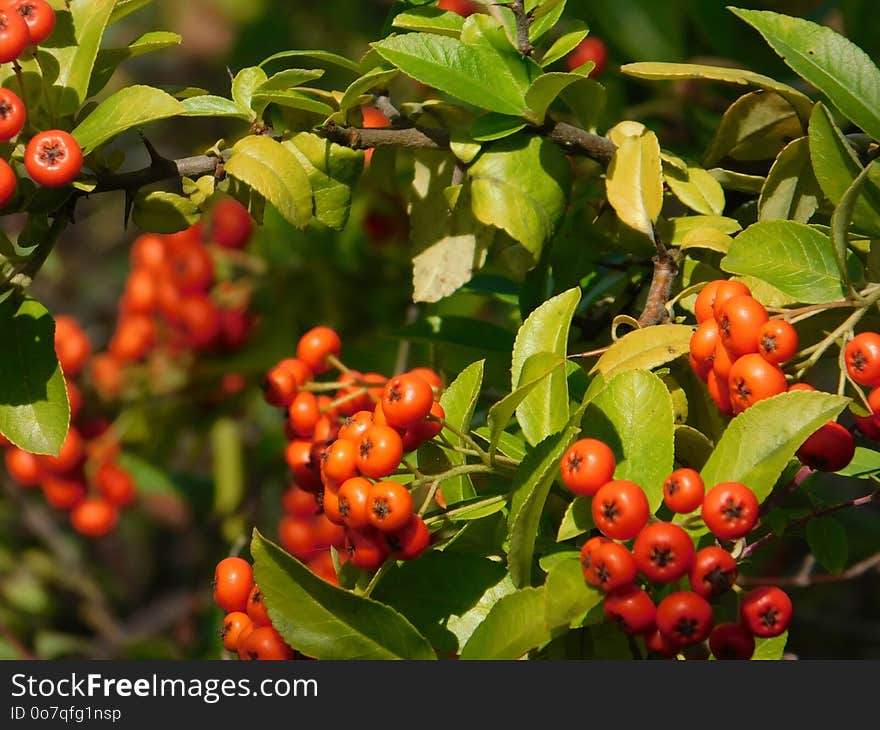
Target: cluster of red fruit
(862, 358)
(737, 351)
(343, 449)
(84, 478)
(664, 554)
(247, 629)
(52, 157)
(173, 304)
(737, 348)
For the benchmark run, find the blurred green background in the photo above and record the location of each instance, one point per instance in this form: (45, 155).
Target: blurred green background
(145, 590)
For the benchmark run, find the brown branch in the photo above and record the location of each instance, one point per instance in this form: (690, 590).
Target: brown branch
(580, 142)
(362, 139)
(666, 265)
(159, 170)
(572, 139)
(854, 571)
(523, 23)
(867, 499)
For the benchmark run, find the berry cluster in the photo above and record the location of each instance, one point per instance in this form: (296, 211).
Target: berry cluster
(52, 157)
(862, 359)
(84, 478)
(664, 554)
(341, 452)
(173, 305)
(737, 351)
(737, 348)
(247, 629)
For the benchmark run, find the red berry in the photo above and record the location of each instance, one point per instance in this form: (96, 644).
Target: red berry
(589, 49)
(586, 466)
(53, 158)
(831, 448)
(731, 641)
(663, 552)
(766, 611)
(730, 510)
(684, 617)
(12, 115)
(620, 509)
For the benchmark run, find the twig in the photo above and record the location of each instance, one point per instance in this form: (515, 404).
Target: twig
(666, 264)
(572, 139)
(523, 23)
(859, 501)
(801, 579)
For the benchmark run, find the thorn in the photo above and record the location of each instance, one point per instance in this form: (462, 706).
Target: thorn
(129, 204)
(231, 75)
(155, 157)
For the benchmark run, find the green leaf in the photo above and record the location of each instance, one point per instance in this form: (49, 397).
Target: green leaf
(275, 173)
(377, 78)
(758, 444)
(292, 100)
(34, 412)
(127, 108)
(160, 212)
(674, 231)
(545, 16)
(125, 7)
(324, 57)
(437, 587)
(327, 622)
(511, 446)
(544, 90)
(770, 649)
(837, 166)
(645, 349)
(755, 127)
(491, 127)
(791, 191)
(514, 625)
(828, 542)
(692, 447)
(544, 410)
(567, 596)
(738, 181)
(452, 244)
(459, 401)
(675, 71)
(474, 74)
(634, 183)
(521, 186)
(696, 188)
(793, 257)
(842, 218)
(633, 414)
(245, 85)
(290, 78)
(332, 171)
(207, 105)
(833, 64)
(429, 19)
(586, 99)
(535, 372)
(577, 520)
(565, 43)
(463, 331)
(86, 21)
(529, 490)
(864, 465)
(463, 626)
